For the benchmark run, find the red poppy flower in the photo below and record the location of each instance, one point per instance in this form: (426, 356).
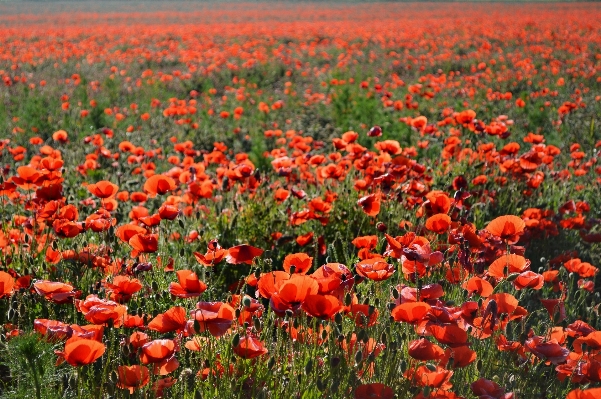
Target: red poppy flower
(508, 228)
(28, 177)
(591, 393)
(364, 315)
(157, 351)
(529, 279)
(159, 184)
(122, 288)
(132, 377)
(242, 254)
(370, 204)
(368, 242)
(438, 223)
(479, 286)
(172, 320)
(189, 285)
(127, 231)
(411, 312)
(375, 390)
(56, 292)
(216, 317)
(103, 189)
(321, 306)
(249, 347)
(374, 269)
(508, 264)
(486, 389)
(302, 263)
(146, 243)
(549, 350)
(422, 349)
(7, 282)
(66, 229)
(79, 351)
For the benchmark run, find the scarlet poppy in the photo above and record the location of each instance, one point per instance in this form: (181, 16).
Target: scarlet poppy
(508, 228)
(157, 351)
(189, 285)
(508, 264)
(172, 320)
(370, 204)
(410, 312)
(79, 351)
(159, 184)
(7, 283)
(132, 377)
(376, 269)
(103, 189)
(438, 223)
(249, 347)
(122, 288)
(54, 291)
(242, 254)
(364, 315)
(321, 306)
(479, 286)
(422, 349)
(591, 393)
(146, 243)
(301, 262)
(216, 317)
(375, 390)
(546, 350)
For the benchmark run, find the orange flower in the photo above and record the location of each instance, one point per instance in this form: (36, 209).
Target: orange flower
(249, 347)
(422, 349)
(146, 243)
(375, 390)
(189, 285)
(321, 306)
(438, 223)
(374, 269)
(301, 262)
(410, 312)
(7, 282)
(591, 393)
(55, 291)
(242, 254)
(370, 204)
(216, 317)
(157, 351)
(172, 320)
(81, 351)
(132, 377)
(159, 184)
(103, 189)
(508, 228)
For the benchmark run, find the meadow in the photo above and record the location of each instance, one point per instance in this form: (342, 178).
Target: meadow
(300, 200)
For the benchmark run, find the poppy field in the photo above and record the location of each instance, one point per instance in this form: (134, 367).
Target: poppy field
(287, 200)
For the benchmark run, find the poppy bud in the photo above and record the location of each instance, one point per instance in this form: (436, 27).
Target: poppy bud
(257, 323)
(320, 384)
(347, 299)
(427, 390)
(271, 363)
(246, 302)
(338, 318)
(403, 366)
(236, 340)
(431, 367)
(309, 367)
(375, 131)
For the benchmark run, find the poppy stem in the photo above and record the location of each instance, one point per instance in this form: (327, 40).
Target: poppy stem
(36, 380)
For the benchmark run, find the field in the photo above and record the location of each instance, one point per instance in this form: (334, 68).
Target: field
(300, 200)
